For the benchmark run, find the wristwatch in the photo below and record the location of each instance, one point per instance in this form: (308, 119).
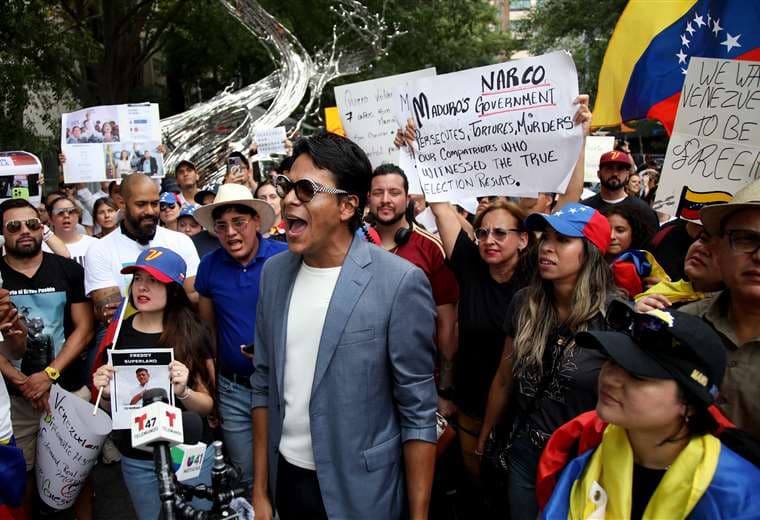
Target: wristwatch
(53, 373)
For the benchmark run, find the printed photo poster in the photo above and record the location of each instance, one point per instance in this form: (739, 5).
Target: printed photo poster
(135, 371)
(107, 142)
(43, 312)
(715, 147)
(68, 445)
(367, 112)
(504, 129)
(19, 176)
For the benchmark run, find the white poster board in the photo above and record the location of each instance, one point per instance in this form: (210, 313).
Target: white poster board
(367, 112)
(715, 147)
(20, 176)
(68, 445)
(596, 146)
(107, 142)
(270, 141)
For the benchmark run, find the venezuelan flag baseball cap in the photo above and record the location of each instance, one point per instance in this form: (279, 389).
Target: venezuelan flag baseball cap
(163, 264)
(575, 220)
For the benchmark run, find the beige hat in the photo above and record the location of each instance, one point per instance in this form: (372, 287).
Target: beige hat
(713, 216)
(235, 194)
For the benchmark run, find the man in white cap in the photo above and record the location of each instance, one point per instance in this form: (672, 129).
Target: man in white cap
(228, 285)
(735, 312)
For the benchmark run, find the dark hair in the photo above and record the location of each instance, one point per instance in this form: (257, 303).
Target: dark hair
(390, 169)
(141, 369)
(103, 201)
(15, 204)
(56, 201)
(46, 199)
(641, 230)
(346, 161)
(285, 165)
(243, 158)
(112, 187)
(264, 183)
(240, 208)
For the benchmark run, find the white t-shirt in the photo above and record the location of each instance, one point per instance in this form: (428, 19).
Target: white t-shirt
(312, 292)
(77, 250)
(6, 429)
(109, 255)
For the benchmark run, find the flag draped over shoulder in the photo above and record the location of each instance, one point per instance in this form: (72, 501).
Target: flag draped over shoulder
(646, 60)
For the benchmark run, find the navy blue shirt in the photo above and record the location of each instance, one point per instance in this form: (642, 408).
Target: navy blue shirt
(234, 289)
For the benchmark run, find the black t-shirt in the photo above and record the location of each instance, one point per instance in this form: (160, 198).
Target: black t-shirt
(572, 388)
(645, 482)
(669, 247)
(483, 304)
(597, 202)
(44, 301)
(131, 338)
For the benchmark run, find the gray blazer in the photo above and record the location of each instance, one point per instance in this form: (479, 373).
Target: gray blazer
(373, 384)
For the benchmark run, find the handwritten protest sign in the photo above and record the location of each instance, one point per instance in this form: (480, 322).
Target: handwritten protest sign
(715, 147)
(108, 142)
(596, 145)
(270, 141)
(68, 445)
(504, 129)
(367, 113)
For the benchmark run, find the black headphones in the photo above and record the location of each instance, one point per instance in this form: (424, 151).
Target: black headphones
(403, 235)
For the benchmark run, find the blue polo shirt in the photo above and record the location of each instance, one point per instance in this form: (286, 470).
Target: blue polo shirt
(234, 289)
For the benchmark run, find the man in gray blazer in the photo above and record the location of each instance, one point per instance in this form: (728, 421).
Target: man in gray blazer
(344, 398)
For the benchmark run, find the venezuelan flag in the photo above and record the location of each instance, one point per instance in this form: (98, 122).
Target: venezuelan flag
(649, 51)
(692, 201)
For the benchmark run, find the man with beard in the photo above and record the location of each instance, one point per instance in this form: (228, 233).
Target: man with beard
(50, 291)
(137, 231)
(388, 202)
(614, 169)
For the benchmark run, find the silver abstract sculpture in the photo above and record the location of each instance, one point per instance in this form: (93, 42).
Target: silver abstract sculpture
(208, 131)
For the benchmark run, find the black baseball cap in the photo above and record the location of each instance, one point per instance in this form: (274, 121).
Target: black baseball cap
(184, 162)
(203, 193)
(663, 344)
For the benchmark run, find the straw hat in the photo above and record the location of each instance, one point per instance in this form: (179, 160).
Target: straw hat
(230, 195)
(713, 216)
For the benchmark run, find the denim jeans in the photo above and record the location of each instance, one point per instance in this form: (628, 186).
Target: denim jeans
(235, 402)
(523, 462)
(142, 484)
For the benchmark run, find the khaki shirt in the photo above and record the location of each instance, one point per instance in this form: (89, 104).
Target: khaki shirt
(739, 398)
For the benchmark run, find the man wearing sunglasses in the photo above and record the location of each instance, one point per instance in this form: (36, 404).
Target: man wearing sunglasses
(735, 312)
(48, 291)
(344, 397)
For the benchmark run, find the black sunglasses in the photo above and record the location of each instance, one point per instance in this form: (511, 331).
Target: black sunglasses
(14, 226)
(306, 189)
(164, 206)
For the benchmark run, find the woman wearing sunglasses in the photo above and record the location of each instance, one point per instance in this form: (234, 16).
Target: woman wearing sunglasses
(168, 207)
(653, 448)
(547, 378)
(64, 217)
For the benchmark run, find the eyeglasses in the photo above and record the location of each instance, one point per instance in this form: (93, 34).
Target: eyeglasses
(499, 234)
(744, 241)
(164, 206)
(14, 226)
(237, 223)
(64, 211)
(306, 189)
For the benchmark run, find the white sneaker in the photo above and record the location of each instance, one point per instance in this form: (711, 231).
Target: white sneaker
(110, 452)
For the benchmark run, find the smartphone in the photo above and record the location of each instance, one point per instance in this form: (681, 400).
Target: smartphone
(233, 163)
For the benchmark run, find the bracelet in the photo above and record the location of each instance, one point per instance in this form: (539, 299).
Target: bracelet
(185, 395)
(46, 234)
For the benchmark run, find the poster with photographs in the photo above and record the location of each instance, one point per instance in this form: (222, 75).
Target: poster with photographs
(135, 371)
(20, 176)
(107, 142)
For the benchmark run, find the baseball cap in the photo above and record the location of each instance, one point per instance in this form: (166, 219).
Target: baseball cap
(714, 215)
(207, 190)
(184, 162)
(615, 157)
(662, 344)
(188, 210)
(163, 264)
(575, 220)
(170, 184)
(167, 197)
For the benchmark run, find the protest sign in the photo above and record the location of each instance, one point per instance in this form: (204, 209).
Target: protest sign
(19, 176)
(270, 141)
(504, 129)
(107, 142)
(367, 113)
(135, 371)
(596, 145)
(68, 445)
(715, 147)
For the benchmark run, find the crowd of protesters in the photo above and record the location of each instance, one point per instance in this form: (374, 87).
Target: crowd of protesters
(334, 358)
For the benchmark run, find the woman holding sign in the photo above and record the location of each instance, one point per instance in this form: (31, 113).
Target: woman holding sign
(164, 319)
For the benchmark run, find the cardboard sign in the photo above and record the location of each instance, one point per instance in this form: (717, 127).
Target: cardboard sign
(596, 146)
(715, 147)
(504, 129)
(367, 113)
(68, 445)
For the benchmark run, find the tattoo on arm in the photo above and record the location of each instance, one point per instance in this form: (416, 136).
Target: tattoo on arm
(103, 297)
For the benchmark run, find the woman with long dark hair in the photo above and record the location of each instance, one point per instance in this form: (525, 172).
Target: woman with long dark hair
(164, 319)
(104, 211)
